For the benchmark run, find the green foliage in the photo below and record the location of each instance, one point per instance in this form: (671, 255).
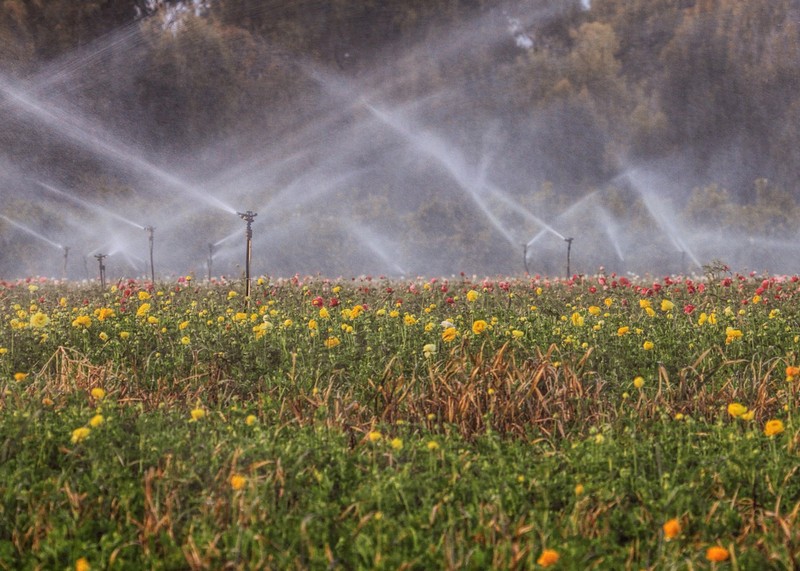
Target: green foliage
(185, 428)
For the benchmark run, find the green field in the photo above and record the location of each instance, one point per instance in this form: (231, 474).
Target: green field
(375, 424)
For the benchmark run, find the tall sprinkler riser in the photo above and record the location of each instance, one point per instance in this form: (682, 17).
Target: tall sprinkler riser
(248, 217)
(150, 230)
(100, 258)
(569, 251)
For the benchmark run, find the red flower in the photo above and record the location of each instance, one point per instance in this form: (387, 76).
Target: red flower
(334, 302)
(688, 308)
(318, 301)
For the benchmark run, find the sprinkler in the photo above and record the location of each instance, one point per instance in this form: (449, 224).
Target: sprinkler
(569, 249)
(210, 261)
(150, 230)
(525, 258)
(66, 256)
(100, 258)
(248, 217)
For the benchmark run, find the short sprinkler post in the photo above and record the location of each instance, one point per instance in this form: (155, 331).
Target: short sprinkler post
(150, 230)
(210, 260)
(525, 258)
(248, 217)
(100, 258)
(66, 257)
(569, 251)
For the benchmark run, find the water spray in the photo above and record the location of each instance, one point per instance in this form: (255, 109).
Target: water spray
(100, 258)
(66, 256)
(248, 217)
(150, 230)
(569, 250)
(210, 260)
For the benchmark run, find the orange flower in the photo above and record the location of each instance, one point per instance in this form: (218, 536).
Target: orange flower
(717, 553)
(792, 373)
(548, 557)
(672, 529)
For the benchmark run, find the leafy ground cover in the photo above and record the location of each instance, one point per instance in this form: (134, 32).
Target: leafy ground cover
(353, 424)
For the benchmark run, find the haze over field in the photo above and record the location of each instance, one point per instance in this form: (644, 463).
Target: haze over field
(402, 138)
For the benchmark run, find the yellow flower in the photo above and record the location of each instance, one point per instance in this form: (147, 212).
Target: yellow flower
(432, 445)
(39, 320)
(82, 321)
(702, 319)
(374, 436)
(312, 324)
(517, 334)
(472, 295)
(579, 490)
(449, 334)
(19, 377)
(394, 313)
(623, 330)
(644, 303)
(238, 482)
(409, 319)
(638, 382)
(98, 393)
(748, 416)
(429, 349)
(732, 334)
(104, 313)
(672, 529)
(103, 336)
(736, 410)
(197, 413)
(396, 443)
(648, 345)
(608, 301)
(124, 335)
(323, 313)
(143, 309)
(577, 319)
(183, 325)
(650, 311)
(479, 326)
(232, 294)
(152, 319)
(667, 305)
(79, 434)
(185, 340)
(96, 420)
(250, 420)
(717, 553)
(594, 310)
(547, 558)
(143, 295)
(332, 342)
(82, 565)
(773, 427)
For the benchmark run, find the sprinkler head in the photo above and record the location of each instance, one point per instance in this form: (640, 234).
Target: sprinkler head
(248, 216)
(568, 240)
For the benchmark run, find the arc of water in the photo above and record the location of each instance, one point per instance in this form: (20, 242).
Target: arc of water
(85, 135)
(30, 231)
(90, 205)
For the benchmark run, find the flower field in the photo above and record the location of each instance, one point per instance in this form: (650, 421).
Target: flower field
(596, 423)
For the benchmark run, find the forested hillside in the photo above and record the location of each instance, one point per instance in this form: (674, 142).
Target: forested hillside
(553, 99)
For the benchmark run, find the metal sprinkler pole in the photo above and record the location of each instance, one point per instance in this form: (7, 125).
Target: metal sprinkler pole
(248, 217)
(210, 260)
(66, 255)
(150, 230)
(569, 249)
(525, 258)
(100, 258)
